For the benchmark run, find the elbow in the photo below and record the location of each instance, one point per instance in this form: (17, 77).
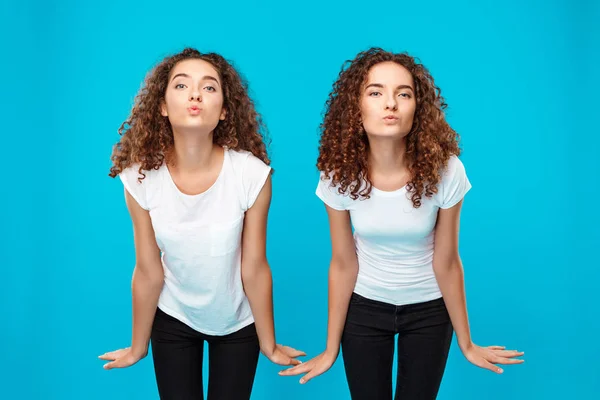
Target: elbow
(344, 265)
(148, 275)
(253, 270)
(447, 265)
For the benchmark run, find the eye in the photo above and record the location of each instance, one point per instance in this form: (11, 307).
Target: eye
(374, 94)
(180, 86)
(405, 95)
(210, 88)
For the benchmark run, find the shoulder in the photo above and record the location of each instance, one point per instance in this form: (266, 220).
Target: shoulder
(454, 183)
(453, 167)
(238, 156)
(329, 192)
(246, 163)
(134, 173)
(250, 172)
(138, 182)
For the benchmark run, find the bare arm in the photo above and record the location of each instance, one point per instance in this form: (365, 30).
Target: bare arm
(147, 283)
(448, 270)
(256, 277)
(343, 271)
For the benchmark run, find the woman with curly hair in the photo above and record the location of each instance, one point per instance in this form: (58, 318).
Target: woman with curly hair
(197, 184)
(390, 169)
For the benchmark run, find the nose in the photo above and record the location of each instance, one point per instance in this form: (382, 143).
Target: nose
(195, 95)
(391, 103)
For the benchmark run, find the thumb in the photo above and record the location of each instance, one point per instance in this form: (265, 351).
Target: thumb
(492, 367)
(110, 365)
(311, 374)
(283, 359)
(286, 361)
(118, 363)
(293, 361)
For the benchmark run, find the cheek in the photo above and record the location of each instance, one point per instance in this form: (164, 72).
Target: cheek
(214, 103)
(366, 112)
(409, 113)
(173, 101)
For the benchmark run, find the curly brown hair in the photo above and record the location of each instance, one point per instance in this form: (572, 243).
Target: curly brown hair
(343, 148)
(147, 136)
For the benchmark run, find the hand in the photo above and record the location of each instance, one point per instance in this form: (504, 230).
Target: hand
(284, 355)
(486, 357)
(314, 367)
(122, 358)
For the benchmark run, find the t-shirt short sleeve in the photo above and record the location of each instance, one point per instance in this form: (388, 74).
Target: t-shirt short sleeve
(254, 176)
(136, 189)
(455, 183)
(330, 195)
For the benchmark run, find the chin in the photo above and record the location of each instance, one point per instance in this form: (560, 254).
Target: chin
(388, 134)
(197, 124)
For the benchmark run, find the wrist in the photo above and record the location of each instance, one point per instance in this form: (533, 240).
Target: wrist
(332, 351)
(268, 348)
(139, 351)
(465, 344)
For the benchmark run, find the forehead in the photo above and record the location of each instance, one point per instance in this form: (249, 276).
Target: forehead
(196, 68)
(390, 73)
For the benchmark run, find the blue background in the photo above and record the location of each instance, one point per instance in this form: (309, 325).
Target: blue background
(521, 79)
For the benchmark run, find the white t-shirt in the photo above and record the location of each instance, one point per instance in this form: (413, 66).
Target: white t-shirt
(200, 240)
(394, 240)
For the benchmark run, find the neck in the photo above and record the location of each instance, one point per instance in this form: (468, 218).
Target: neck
(387, 155)
(192, 150)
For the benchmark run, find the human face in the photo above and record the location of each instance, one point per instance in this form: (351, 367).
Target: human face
(388, 101)
(194, 96)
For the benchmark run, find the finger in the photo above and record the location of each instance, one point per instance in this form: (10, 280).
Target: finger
(111, 355)
(309, 376)
(299, 369)
(509, 361)
(293, 370)
(496, 347)
(487, 365)
(290, 351)
(509, 353)
(282, 359)
(293, 361)
(111, 365)
(121, 362)
(294, 353)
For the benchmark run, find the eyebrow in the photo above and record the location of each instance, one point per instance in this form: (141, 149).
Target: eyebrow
(204, 78)
(379, 85)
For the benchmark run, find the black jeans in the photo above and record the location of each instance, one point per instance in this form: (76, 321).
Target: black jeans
(424, 336)
(177, 351)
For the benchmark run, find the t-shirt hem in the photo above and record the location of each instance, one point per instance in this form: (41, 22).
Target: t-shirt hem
(132, 192)
(415, 300)
(456, 201)
(261, 184)
(232, 329)
(324, 200)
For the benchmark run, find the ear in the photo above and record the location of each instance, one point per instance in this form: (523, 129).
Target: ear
(163, 108)
(223, 114)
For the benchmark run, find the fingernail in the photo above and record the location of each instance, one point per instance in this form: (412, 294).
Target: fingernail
(302, 380)
(500, 370)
